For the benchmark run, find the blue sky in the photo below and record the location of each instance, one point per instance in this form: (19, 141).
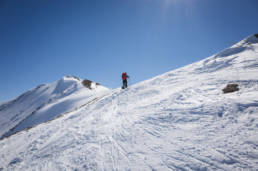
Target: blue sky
(43, 40)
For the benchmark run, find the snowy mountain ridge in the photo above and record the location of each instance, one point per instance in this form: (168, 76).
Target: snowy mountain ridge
(44, 103)
(180, 120)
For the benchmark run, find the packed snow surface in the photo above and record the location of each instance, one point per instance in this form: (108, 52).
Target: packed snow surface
(180, 120)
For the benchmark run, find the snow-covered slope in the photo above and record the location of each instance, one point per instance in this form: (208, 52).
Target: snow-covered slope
(44, 103)
(180, 120)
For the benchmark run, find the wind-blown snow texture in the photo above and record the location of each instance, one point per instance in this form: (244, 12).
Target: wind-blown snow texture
(180, 120)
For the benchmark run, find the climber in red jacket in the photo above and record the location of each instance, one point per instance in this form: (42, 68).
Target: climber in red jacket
(124, 78)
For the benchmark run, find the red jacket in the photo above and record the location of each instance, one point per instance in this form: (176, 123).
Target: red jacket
(124, 76)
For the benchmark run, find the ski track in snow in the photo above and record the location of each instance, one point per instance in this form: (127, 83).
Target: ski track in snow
(176, 121)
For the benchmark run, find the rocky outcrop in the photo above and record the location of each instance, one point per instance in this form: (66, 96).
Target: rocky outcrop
(230, 88)
(89, 84)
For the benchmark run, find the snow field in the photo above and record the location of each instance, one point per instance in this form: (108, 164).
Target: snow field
(180, 120)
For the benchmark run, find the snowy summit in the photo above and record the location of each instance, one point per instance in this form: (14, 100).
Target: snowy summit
(45, 103)
(180, 120)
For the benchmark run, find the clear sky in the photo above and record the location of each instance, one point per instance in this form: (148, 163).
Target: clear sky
(43, 40)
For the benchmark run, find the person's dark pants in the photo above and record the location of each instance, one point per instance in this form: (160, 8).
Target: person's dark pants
(124, 83)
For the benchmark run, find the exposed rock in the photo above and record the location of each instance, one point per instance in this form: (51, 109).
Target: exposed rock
(90, 84)
(230, 88)
(87, 83)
